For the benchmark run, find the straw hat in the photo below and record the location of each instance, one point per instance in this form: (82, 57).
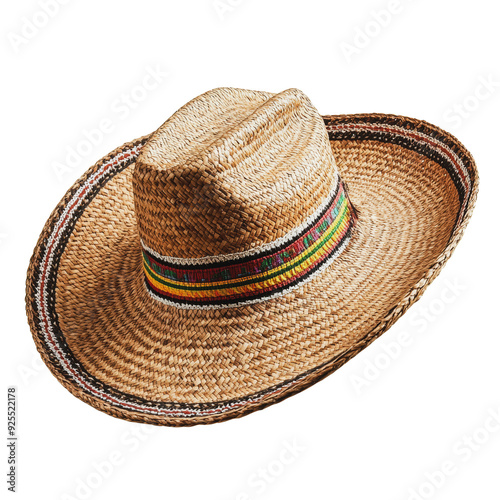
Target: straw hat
(242, 252)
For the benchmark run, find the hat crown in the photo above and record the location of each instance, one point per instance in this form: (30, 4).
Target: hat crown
(230, 171)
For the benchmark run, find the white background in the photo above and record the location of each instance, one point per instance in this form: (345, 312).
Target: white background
(378, 428)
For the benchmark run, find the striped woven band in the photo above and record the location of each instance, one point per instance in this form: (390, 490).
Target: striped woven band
(260, 274)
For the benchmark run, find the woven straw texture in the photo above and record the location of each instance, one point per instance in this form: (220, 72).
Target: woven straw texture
(114, 346)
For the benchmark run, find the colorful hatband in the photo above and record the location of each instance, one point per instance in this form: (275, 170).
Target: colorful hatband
(259, 274)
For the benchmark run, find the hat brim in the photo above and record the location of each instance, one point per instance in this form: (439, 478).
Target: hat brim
(116, 348)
